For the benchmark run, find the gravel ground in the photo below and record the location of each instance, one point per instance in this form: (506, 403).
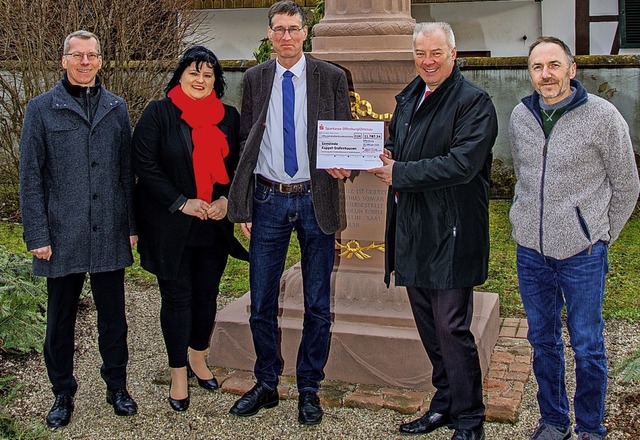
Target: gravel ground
(208, 415)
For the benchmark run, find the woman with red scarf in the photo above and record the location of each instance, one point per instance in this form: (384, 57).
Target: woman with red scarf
(185, 150)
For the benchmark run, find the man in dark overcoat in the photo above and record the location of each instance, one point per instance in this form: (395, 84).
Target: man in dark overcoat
(76, 185)
(437, 162)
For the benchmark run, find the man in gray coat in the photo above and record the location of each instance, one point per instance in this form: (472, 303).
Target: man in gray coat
(270, 200)
(76, 185)
(577, 185)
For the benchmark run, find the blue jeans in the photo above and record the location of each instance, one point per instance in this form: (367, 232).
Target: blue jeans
(275, 216)
(546, 284)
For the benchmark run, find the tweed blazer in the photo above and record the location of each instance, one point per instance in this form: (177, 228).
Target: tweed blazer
(76, 183)
(327, 99)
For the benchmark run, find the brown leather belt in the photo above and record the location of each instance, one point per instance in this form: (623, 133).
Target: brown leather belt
(285, 187)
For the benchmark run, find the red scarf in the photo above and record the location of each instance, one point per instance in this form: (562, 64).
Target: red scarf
(210, 145)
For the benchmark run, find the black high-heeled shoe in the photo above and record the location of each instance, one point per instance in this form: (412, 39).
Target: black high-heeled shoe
(207, 384)
(178, 404)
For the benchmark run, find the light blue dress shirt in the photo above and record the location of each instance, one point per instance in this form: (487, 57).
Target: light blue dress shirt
(271, 157)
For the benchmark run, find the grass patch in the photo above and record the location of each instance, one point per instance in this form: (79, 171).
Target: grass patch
(503, 278)
(11, 238)
(621, 299)
(235, 281)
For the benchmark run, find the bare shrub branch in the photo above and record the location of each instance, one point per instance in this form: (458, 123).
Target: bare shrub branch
(141, 41)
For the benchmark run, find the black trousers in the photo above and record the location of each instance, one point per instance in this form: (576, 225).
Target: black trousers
(62, 308)
(189, 303)
(443, 319)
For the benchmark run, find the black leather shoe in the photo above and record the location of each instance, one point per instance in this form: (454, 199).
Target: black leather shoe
(309, 409)
(207, 384)
(255, 399)
(425, 424)
(178, 404)
(123, 403)
(469, 434)
(60, 413)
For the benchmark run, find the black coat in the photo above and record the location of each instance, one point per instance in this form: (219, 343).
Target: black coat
(438, 232)
(162, 149)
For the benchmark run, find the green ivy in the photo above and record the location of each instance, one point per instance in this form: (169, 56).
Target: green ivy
(22, 305)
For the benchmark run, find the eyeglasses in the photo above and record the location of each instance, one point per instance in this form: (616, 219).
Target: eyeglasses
(280, 31)
(79, 56)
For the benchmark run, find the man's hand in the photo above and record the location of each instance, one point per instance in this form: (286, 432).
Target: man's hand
(338, 173)
(246, 229)
(385, 172)
(43, 253)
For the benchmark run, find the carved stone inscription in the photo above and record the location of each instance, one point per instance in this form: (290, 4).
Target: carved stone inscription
(365, 202)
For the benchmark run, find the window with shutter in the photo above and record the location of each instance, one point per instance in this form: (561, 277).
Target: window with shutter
(629, 23)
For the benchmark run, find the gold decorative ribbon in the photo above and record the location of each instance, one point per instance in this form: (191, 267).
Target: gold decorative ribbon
(353, 247)
(362, 107)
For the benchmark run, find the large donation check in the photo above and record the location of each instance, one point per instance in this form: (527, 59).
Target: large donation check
(352, 145)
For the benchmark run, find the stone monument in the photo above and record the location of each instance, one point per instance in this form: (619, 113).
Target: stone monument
(374, 339)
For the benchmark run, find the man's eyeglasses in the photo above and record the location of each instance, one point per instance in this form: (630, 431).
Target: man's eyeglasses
(280, 31)
(79, 56)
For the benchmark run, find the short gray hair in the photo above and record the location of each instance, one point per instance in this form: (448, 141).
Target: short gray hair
(428, 28)
(83, 35)
(556, 41)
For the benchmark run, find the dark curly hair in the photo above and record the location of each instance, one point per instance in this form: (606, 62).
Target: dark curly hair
(199, 55)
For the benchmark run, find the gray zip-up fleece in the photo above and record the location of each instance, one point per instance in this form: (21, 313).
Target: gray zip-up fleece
(579, 185)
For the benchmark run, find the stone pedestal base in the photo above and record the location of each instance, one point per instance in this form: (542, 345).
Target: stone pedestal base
(373, 336)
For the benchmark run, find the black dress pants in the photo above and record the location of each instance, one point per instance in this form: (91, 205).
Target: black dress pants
(62, 308)
(189, 302)
(443, 319)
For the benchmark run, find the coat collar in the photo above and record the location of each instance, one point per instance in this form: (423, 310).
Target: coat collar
(62, 100)
(532, 102)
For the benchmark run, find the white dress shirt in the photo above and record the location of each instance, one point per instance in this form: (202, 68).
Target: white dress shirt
(271, 158)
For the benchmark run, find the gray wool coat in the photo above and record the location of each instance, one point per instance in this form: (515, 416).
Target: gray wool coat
(327, 98)
(76, 183)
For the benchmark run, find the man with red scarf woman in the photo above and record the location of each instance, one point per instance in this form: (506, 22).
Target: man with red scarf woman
(185, 149)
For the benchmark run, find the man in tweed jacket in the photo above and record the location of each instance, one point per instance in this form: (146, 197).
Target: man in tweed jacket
(577, 185)
(270, 202)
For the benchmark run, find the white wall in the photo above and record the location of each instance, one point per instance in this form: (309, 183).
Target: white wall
(233, 34)
(497, 26)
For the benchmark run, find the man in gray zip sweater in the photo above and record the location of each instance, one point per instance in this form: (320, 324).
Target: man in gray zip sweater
(577, 185)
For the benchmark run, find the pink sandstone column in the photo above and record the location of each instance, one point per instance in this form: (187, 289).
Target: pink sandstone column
(374, 339)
